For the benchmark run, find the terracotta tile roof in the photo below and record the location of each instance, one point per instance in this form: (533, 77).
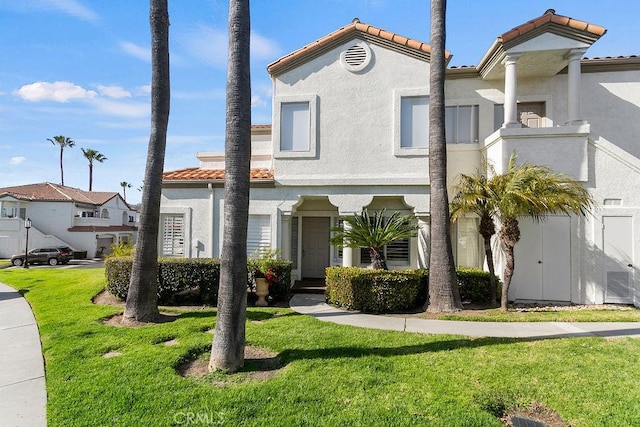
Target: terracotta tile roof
(47, 191)
(345, 33)
(197, 174)
(103, 229)
(259, 127)
(550, 17)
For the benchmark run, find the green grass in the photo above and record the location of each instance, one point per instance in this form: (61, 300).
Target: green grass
(333, 375)
(5, 262)
(619, 314)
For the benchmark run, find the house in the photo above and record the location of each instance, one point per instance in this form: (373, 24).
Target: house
(350, 131)
(63, 216)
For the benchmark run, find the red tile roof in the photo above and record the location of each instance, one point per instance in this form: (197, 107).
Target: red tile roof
(550, 17)
(197, 174)
(346, 33)
(47, 191)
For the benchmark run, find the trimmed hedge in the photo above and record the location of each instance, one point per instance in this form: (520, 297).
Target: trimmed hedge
(198, 277)
(375, 291)
(380, 291)
(194, 278)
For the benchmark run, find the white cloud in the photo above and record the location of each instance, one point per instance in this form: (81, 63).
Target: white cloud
(70, 7)
(143, 90)
(17, 160)
(113, 91)
(122, 109)
(137, 51)
(56, 91)
(257, 101)
(209, 45)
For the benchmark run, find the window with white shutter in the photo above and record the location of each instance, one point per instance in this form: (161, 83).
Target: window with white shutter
(258, 235)
(173, 235)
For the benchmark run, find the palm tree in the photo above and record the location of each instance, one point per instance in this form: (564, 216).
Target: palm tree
(125, 185)
(92, 155)
(63, 142)
(474, 195)
(142, 299)
(533, 191)
(227, 349)
(443, 285)
(374, 232)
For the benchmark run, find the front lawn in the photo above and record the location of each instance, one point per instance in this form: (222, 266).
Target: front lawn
(602, 313)
(5, 263)
(331, 374)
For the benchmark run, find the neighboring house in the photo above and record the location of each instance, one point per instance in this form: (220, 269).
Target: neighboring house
(350, 131)
(64, 216)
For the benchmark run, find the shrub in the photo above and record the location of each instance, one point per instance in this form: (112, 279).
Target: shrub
(382, 291)
(198, 276)
(79, 254)
(279, 272)
(374, 291)
(122, 249)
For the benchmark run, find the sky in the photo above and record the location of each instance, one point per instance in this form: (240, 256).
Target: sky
(82, 69)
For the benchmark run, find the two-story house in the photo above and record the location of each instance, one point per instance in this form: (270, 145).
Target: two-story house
(350, 131)
(64, 216)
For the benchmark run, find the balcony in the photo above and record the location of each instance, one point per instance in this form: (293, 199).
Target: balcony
(90, 221)
(561, 148)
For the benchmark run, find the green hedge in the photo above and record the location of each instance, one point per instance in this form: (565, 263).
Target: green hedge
(195, 279)
(375, 291)
(380, 291)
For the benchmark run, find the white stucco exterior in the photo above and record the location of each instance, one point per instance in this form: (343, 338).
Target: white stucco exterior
(586, 126)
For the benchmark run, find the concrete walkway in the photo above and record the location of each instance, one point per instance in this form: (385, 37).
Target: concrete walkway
(314, 305)
(23, 395)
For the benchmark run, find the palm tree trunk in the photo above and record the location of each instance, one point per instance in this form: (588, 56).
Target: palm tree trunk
(509, 236)
(142, 299)
(377, 258)
(444, 295)
(90, 176)
(227, 349)
(61, 169)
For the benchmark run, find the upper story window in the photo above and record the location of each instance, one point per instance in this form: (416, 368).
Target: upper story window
(294, 126)
(461, 124)
(411, 122)
(414, 117)
(295, 133)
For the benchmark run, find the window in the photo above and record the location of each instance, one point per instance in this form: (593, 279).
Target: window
(294, 242)
(461, 124)
(173, 235)
(396, 253)
(414, 122)
(105, 213)
(465, 239)
(294, 126)
(338, 250)
(258, 234)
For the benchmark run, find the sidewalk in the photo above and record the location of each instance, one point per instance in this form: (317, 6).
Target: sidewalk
(23, 396)
(314, 305)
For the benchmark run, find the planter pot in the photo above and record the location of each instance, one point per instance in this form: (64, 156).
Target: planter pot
(262, 290)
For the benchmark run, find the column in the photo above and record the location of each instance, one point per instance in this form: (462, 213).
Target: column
(574, 113)
(511, 91)
(423, 241)
(347, 253)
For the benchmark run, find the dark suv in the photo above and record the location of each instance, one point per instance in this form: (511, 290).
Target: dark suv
(52, 256)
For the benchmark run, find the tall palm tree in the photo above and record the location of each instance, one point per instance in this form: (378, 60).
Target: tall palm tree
(475, 195)
(63, 142)
(374, 232)
(92, 156)
(125, 185)
(533, 191)
(227, 349)
(142, 299)
(444, 295)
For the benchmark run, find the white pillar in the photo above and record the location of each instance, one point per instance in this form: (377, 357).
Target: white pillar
(511, 91)
(423, 241)
(574, 113)
(347, 253)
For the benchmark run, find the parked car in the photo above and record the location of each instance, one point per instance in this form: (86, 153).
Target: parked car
(51, 256)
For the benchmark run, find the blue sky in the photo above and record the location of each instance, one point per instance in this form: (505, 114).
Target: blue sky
(81, 68)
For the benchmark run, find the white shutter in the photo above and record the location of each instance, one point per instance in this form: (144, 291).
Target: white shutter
(173, 235)
(258, 234)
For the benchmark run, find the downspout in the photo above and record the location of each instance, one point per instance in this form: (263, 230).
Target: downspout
(212, 219)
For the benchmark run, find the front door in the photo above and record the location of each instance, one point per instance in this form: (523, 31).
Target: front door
(618, 256)
(315, 246)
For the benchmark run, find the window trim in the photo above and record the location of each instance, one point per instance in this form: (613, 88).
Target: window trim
(313, 119)
(474, 107)
(187, 213)
(398, 150)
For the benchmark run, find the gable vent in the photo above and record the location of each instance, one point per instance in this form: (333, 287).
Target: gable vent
(356, 57)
